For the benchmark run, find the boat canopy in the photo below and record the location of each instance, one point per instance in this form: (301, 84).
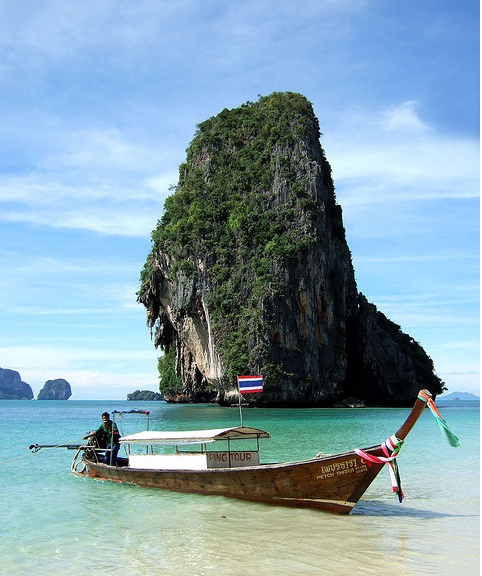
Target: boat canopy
(194, 436)
(135, 411)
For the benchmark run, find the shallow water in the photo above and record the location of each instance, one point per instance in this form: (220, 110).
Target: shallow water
(54, 522)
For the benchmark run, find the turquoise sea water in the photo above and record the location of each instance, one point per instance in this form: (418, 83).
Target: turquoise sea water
(53, 522)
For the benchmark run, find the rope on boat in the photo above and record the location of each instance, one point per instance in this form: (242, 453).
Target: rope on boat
(391, 449)
(451, 437)
(17, 458)
(74, 467)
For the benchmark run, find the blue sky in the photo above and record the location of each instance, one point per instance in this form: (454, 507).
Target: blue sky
(100, 99)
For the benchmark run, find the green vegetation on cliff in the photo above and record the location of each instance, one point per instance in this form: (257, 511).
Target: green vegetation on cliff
(222, 201)
(226, 213)
(166, 365)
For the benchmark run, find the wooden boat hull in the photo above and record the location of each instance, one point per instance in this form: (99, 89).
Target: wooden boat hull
(331, 483)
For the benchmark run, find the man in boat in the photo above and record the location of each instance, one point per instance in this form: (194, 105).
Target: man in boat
(107, 436)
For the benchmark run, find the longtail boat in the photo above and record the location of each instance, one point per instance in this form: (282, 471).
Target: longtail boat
(215, 462)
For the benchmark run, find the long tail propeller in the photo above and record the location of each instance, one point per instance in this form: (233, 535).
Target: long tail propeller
(36, 447)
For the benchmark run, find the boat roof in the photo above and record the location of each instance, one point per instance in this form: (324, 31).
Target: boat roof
(194, 436)
(134, 411)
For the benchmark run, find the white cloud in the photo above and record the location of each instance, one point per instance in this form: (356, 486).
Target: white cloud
(57, 360)
(39, 38)
(106, 209)
(75, 269)
(98, 180)
(402, 118)
(392, 155)
(52, 357)
(104, 150)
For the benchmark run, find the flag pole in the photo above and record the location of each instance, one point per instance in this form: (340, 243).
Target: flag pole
(239, 400)
(240, 409)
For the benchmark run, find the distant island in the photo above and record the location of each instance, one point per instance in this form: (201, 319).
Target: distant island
(12, 387)
(458, 398)
(145, 395)
(58, 389)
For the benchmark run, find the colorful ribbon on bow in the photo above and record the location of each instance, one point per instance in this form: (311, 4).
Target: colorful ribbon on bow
(453, 440)
(390, 448)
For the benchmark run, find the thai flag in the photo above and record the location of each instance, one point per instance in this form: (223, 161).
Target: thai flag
(250, 384)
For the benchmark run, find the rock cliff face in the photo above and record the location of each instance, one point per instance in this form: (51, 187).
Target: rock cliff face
(58, 389)
(250, 273)
(145, 395)
(12, 387)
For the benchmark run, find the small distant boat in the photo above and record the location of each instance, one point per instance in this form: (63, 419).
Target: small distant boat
(226, 462)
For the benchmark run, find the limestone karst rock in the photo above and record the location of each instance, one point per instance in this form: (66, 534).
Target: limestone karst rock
(250, 273)
(145, 395)
(12, 386)
(58, 389)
